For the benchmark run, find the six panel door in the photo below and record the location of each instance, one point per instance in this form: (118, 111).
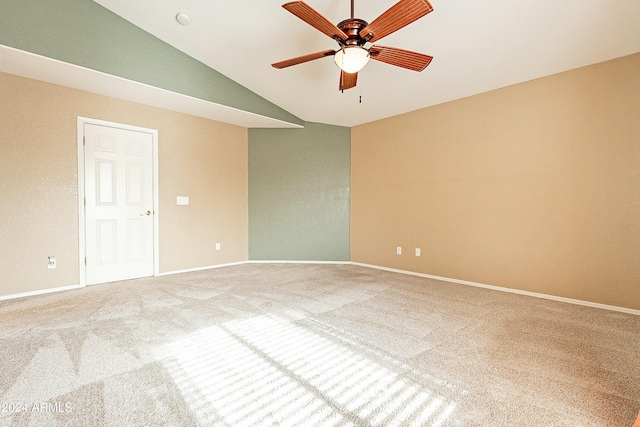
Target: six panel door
(119, 203)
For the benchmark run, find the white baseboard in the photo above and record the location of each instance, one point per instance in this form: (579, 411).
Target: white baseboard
(377, 267)
(503, 289)
(40, 292)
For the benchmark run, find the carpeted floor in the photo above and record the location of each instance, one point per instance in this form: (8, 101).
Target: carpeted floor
(311, 345)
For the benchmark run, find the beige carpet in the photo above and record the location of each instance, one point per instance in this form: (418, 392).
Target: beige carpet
(311, 345)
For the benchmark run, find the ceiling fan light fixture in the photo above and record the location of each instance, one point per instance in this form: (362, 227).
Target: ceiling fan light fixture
(353, 34)
(351, 59)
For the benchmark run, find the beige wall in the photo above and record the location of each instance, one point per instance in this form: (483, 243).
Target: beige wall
(534, 187)
(199, 158)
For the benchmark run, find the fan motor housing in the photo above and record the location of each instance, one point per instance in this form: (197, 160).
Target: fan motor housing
(352, 27)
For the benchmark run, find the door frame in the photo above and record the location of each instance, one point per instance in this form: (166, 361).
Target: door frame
(82, 250)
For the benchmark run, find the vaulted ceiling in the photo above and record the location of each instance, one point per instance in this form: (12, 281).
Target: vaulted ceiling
(477, 46)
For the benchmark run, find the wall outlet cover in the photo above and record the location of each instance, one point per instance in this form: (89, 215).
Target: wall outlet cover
(399, 250)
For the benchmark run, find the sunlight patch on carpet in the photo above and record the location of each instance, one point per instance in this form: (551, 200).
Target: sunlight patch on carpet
(270, 369)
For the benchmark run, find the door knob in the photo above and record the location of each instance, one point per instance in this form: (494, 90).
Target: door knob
(146, 213)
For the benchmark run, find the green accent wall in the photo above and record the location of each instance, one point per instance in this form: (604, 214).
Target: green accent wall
(299, 193)
(84, 33)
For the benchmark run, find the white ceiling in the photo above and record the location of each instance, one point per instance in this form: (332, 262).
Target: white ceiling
(477, 46)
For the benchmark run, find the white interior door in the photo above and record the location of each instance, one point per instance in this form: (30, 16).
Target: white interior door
(119, 203)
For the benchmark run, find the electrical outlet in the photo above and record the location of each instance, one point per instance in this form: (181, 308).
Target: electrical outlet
(51, 263)
(399, 250)
(417, 251)
(217, 246)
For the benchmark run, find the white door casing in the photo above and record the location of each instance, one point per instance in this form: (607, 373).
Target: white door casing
(118, 219)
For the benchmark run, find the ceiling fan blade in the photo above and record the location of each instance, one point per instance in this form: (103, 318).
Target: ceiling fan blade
(304, 58)
(315, 19)
(348, 80)
(399, 57)
(399, 15)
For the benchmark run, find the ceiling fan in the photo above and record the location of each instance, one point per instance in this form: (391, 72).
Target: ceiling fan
(352, 34)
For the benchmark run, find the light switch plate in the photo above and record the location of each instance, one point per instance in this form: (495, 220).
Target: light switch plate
(182, 200)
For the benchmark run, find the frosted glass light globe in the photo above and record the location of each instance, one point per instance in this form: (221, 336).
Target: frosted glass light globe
(351, 59)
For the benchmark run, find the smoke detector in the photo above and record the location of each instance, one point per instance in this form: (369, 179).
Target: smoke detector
(183, 18)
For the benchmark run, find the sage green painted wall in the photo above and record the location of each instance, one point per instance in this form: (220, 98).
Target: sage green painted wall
(299, 193)
(84, 33)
